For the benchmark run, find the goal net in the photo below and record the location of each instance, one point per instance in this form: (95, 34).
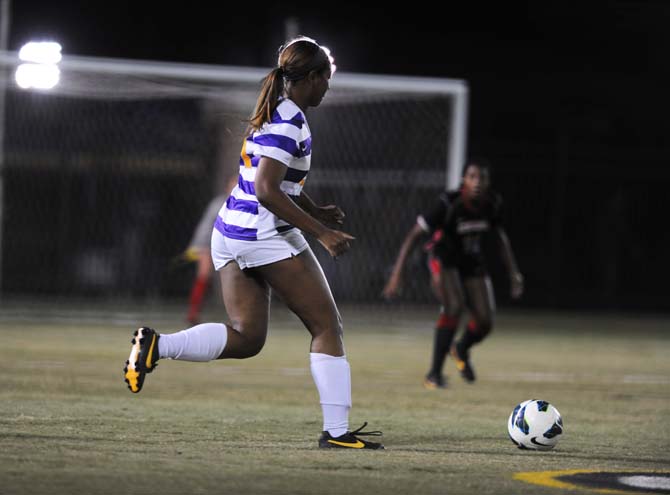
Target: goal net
(105, 176)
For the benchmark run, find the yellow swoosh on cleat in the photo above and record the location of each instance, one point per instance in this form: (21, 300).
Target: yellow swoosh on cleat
(151, 351)
(357, 445)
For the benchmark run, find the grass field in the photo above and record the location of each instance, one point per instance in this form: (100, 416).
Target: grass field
(69, 425)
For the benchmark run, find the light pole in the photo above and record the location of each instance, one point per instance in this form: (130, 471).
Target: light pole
(4, 37)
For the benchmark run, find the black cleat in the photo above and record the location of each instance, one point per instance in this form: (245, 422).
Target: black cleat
(433, 382)
(143, 358)
(350, 440)
(462, 358)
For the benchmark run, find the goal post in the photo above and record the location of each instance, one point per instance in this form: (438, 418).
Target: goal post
(455, 89)
(103, 177)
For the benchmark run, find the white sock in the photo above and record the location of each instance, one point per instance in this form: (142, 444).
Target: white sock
(199, 343)
(332, 376)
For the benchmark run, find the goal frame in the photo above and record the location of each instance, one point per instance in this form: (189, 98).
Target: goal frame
(455, 89)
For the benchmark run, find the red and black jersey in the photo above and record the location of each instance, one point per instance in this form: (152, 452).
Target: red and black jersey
(459, 226)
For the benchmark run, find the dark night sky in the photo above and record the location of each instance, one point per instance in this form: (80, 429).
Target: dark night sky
(600, 66)
(568, 99)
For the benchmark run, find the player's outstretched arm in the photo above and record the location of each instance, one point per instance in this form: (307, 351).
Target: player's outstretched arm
(395, 279)
(515, 276)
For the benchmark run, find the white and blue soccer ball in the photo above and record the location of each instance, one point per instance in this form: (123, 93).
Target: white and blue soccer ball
(536, 425)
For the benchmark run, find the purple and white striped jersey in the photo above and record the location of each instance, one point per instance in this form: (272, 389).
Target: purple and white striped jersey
(285, 138)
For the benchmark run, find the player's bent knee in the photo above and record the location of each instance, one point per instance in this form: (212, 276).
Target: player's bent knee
(480, 327)
(253, 349)
(248, 348)
(245, 341)
(254, 343)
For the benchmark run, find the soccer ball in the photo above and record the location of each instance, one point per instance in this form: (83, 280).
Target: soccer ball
(536, 425)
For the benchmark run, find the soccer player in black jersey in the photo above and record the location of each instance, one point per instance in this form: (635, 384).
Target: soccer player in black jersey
(459, 277)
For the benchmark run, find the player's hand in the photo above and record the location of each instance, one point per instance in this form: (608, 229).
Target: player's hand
(331, 216)
(336, 242)
(516, 289)
(392, 287)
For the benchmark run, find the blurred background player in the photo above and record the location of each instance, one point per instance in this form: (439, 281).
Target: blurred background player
(459, 277)
(258, 246)
(199, 251)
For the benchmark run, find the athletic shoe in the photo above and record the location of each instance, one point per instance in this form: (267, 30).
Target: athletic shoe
(432, 382)
(143, 357)
(191, 255)
(462, 358)
(350, 440)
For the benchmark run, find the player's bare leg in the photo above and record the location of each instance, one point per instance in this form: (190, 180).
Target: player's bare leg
(246, 297)
(299, 281)
(301, 284)
(200, 285)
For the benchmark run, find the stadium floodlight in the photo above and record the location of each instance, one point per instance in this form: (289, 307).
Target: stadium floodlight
(37, 76)
(41, 52)
(40, 70)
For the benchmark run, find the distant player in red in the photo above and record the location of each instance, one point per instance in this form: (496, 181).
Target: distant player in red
(459, 277)
(199, 251)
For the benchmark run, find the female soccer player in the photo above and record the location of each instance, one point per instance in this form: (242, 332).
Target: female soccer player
(257, 246)
(458, 222)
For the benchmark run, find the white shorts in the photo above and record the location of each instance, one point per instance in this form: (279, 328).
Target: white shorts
(249, 254)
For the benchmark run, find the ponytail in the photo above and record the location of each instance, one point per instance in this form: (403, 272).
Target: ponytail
(296, 60)
(271, 89)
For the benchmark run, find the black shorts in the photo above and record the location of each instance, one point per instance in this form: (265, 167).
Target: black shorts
(467, 267)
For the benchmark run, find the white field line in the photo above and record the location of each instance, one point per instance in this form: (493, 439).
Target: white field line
(545, 377)
(656, 482)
